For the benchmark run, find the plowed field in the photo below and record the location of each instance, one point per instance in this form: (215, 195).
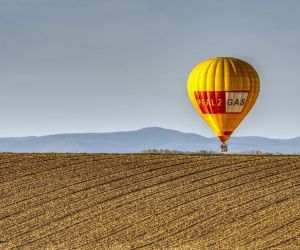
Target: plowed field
(144, 201)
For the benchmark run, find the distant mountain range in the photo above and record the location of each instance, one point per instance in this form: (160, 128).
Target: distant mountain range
(143, 139)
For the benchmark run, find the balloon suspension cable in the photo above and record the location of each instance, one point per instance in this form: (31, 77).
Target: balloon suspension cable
(223, 148)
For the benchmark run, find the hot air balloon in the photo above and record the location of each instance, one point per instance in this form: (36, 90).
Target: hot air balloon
(223, 90)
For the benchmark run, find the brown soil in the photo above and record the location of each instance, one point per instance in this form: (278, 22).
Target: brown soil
(144, 201)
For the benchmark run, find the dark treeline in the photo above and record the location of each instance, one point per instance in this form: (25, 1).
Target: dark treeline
(203, 152)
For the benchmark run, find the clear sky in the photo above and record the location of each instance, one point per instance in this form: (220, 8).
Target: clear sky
(107, 65)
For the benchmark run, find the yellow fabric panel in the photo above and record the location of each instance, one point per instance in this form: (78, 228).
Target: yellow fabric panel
(229, 75)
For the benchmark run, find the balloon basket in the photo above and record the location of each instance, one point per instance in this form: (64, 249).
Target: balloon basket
(223, 148)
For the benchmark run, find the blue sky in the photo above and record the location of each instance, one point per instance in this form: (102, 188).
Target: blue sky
(96, 66)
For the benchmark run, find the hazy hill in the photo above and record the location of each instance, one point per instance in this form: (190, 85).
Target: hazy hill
(143, 139)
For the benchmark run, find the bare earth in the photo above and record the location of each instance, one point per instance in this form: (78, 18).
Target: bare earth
(144, 201)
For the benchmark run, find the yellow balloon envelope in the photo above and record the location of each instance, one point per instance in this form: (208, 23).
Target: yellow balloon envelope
(223, 90)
